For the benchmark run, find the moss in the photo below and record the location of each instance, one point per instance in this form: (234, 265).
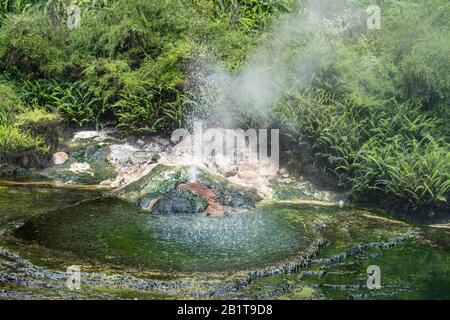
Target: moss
(295, 190)
(301, 293)
(129, 294)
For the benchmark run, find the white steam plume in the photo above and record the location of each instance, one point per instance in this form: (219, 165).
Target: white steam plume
(300, 45)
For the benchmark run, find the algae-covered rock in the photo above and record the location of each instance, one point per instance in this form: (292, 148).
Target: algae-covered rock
(180, 202)
(161, 179)
(227, 193)
(164, 179)
(87, 163)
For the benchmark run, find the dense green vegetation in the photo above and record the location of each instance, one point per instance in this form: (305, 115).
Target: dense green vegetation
(376, 116)
(27, 136)
(128, 63)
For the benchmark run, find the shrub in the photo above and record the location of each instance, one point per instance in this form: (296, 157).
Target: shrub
(415, 37)
(20, 149)
(10, 103)
(128, 62)
(377, 117)
(149, 110)
(152, 99)
(364, 76)
(72, 100)
(18, 6)
(103, 82)
(252, 15)
(41, 124)
(425, 76)
(30, 46)
(134, 30)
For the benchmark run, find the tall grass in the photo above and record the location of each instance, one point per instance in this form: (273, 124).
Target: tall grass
(384, 154)
(412, 175)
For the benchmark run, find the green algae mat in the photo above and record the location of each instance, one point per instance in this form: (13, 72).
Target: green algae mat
(277, 250)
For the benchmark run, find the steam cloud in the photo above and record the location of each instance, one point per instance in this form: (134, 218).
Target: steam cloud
(300, 45)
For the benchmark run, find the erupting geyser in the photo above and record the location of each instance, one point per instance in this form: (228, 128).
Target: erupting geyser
(193, 174)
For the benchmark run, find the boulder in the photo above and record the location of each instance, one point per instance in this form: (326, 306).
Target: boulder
(214, 208)
(160, 180)
(60, 158)
(165, 183)
(180, 201)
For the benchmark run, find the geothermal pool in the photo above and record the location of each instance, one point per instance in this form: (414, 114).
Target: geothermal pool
(276, 250)
(119, 233)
